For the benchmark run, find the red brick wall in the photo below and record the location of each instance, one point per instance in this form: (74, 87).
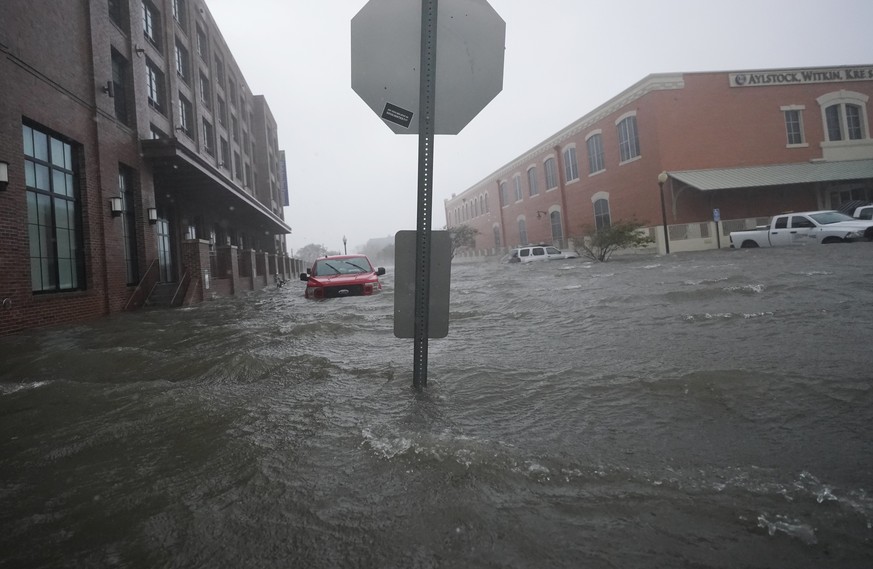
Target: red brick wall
(704, 124)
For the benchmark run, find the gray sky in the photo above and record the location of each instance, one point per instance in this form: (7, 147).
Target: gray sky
(349, 174)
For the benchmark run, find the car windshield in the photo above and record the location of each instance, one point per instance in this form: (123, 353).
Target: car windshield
(828, 217)
(342, 266)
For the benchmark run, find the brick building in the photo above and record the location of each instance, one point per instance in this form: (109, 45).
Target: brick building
(140, 165)
(736, 147)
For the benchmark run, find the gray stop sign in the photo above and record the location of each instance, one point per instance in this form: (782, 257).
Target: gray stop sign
(386, 56)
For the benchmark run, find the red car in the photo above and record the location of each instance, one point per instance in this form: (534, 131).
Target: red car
(342, 275)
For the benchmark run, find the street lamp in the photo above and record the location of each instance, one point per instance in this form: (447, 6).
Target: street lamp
(345, 251)
(662, 177)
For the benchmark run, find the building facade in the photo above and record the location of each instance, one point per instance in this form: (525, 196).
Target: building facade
(140, 165)
(736, 148)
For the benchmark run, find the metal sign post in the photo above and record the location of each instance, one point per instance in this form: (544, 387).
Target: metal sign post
(394, 70)
(425, 189)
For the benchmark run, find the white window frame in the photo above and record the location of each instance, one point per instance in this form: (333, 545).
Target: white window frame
(599, 160)
(551, 173)
(786, 109)
(631, 142)
(516, 181)
(571, 163)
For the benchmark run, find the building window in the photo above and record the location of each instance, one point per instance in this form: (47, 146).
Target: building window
(151, 24)
(522, 232)
(231, 89)
(186, 114)
(571, 167)
(119, 87)
(53, 218)
(155, 82)
(517, 181)
(183, 67)
(237, 166)
(208, 137)
(628, 142)
(551, 174)
(496, 237)
(202, 46)
(180, 13)
(234, 128)
(595, 153)
(503, 198)
(601, 214)
(117, 13)
(557, 230)
(248, 179)
(487, 207)
(128, 223)
(532, 181)
(222, 112)
(156, 133)
(844, 122)
(225, 153)
(219, 70)
(205, 91)
(793, 126)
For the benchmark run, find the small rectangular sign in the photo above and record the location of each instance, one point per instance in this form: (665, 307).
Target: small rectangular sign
(397, 115)
(716, 215)
(404, 284)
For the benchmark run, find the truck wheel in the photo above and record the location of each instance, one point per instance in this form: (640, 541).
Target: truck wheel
(748, 245)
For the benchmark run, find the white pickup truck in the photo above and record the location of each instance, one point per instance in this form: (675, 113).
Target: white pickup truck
(826, 226)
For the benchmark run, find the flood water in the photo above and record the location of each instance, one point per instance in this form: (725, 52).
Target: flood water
(705, 410)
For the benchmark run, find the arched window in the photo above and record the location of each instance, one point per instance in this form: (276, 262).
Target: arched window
(845, 115)
(628, 141)
(601, 214)
(532, 181)
(551, 174)
(557, 230)
(595, 153)
(522, 231)
(571, 167)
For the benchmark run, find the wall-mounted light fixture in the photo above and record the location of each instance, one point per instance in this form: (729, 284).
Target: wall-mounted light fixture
(4, 175)
(115, 206)
(540, 214)
(109, 89)
(139, 50)
(153, 215)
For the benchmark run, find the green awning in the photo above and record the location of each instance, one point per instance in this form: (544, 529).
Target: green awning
(779, 175)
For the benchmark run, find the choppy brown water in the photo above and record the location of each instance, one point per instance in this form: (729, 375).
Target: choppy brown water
(706, 410)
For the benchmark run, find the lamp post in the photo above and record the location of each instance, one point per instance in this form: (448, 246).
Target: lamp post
(345, 251)
(662, 177)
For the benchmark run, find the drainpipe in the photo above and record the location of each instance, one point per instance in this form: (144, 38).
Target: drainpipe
(503, 243)
(561, 188)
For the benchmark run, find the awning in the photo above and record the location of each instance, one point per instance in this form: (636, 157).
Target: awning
(172, 162)
(779, 175)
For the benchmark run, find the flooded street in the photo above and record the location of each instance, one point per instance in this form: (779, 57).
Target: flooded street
(706, 410)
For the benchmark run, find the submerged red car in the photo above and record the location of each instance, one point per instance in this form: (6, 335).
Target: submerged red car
(342, 275)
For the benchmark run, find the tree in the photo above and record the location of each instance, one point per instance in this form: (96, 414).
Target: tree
(311, 252)
(600, 244)
(462, 236)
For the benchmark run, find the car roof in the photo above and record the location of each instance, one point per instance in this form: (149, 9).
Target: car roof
(341, 257)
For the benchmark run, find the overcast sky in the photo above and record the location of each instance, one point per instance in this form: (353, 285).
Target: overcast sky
(349, 174)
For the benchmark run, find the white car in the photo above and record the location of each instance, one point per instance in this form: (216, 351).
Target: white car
(531, 253)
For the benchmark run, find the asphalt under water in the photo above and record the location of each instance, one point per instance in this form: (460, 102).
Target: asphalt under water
(706, 410)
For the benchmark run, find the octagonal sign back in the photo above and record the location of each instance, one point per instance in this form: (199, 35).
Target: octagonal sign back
(386, 56)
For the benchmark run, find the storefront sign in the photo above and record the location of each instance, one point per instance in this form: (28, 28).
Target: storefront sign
(800, 76)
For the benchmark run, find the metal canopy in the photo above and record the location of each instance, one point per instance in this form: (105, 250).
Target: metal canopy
(779, 175)
(175, 166)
